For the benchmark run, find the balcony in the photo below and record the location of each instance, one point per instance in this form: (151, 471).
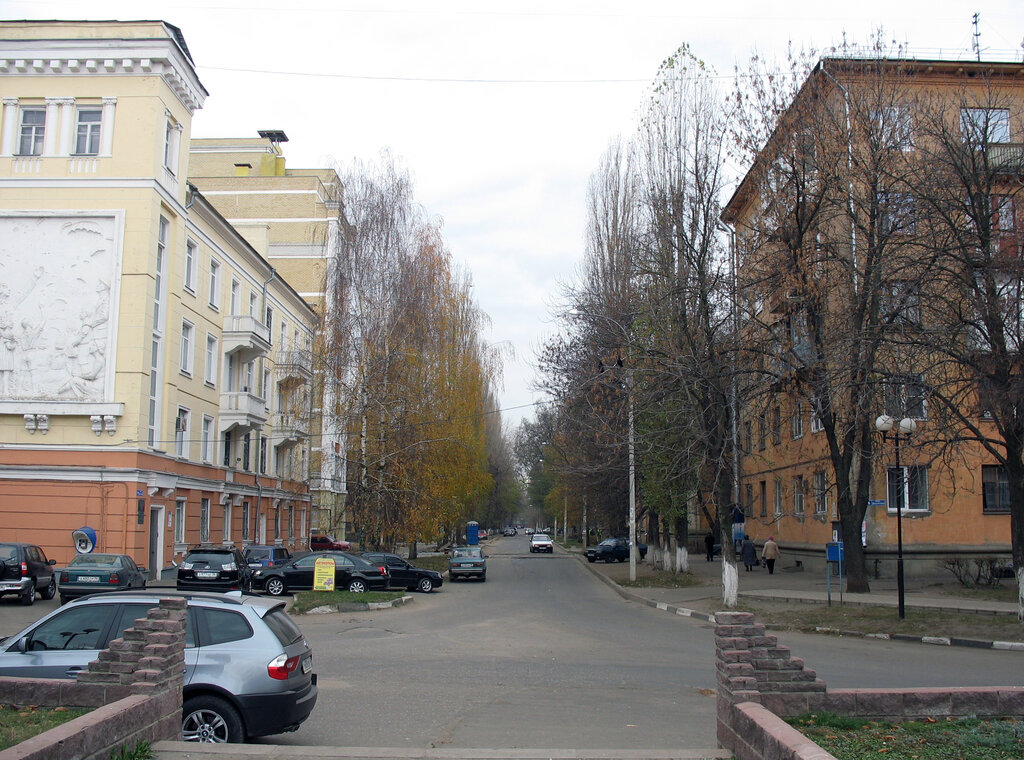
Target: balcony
(1007, 157)
(293, 367)
(290, 429)
(241, 409)
(245, 336)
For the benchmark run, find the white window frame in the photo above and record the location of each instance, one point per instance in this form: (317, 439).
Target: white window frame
(253, 304)
(226, 532)
(209, 437)
(88, 134)
(188, 339)
(985, 125)
(204, 521)
(182, 424)
(920, 472)
(246, 517)
(172, 139)
(212, 359)
(180, 511)
(796, 422)
(236, 296)
(191, 259)
(214, 283)
(31, 137)
(780, 497)
(820, 493)
(798, 495)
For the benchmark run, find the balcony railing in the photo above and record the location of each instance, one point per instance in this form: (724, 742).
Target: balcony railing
(246, 336)
(293, 366)
(242, 409)
(290, 429)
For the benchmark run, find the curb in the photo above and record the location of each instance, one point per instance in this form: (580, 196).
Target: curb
(326, 609)
(1010, 646)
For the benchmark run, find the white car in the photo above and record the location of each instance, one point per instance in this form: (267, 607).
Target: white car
(541, 542)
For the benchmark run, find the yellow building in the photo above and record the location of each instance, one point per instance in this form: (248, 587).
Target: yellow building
(295, 219)
(153, 364)
(840, 228)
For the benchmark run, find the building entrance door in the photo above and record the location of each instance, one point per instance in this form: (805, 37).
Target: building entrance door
(156, 541)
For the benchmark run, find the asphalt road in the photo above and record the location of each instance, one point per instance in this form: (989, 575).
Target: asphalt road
(545, 655)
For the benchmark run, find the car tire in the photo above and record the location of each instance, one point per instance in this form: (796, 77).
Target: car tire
(212, 720)
(591, 560)
(425, 585)
(51, 589)
(357, 586)
(275, 586)
(29, 597)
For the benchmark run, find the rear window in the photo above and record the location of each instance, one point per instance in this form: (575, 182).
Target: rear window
(257, 553)
(95, 560)
(8, 552)
(210, 558)
(283, 627)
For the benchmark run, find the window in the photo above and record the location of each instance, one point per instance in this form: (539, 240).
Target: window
(291, 522)
(777, 426)
(154, 390)
(236, 294)
(762, 431)
(181, 433)
(816, 423)
(246, 446)
(896, 214)
(912, 483)
(895, 127)
(204, 521)
(33, 129)
(187, 331)
(179, 521)
(980, 126)
(172, 133)
(796, 422)
(748, 436)
(253, 302)
(764, 499)
(227, 448)
(995, 495)
(245, 521)
(80, 627)
(904, 396)
(214, 283)
(223, 626)
(207, 442)
(263, 454)
(1002, 215)
(158, 272)
(269, 322)
(212, 359)
(901, 302)
(780, 497)
(191, 256)
(748, 505)
(87, 133)
(226, 535)
(820, 493)
(798, 495)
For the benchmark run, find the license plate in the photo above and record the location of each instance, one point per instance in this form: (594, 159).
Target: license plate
(88, 579)
(201, 574)
(307, 665)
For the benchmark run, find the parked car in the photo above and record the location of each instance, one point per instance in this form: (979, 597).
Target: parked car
(25, 571)
(405, 575)
(509, 532)
(248, 669)
(99, 573)
(324, 543)
(260, 555)
(351, 573)
(467, 562)
(614, 550)
(541, 542)
(214, 568)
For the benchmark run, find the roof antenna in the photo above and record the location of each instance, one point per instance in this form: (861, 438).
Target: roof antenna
(976, 43)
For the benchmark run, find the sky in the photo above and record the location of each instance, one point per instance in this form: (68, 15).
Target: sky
(500, 111)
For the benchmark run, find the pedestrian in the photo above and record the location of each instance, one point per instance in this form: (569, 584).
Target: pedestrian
(709, 545)
(749, 553)
(769, 553)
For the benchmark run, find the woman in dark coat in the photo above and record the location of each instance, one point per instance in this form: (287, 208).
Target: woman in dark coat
(749, 553)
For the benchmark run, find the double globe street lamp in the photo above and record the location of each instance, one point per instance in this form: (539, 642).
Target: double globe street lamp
(890, 427)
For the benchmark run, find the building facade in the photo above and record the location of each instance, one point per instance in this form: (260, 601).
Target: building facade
(153, 365)
(852, 240)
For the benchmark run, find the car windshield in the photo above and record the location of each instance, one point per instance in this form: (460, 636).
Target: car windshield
(467, 551)
(540, 537)
(95, 560)
(608, 542)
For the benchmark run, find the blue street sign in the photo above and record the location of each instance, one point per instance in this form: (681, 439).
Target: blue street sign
(876, 502)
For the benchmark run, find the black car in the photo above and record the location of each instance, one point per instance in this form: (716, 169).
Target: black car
(614, 550)
(214, 568)
(25, 571)
(405, 575)
(258, 556)
(351, 573)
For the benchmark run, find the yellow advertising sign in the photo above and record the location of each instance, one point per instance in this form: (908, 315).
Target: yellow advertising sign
(323, 574)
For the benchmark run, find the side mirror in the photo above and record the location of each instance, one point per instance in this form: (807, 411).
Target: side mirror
(51, 562)
(22, 645)
(142, 568)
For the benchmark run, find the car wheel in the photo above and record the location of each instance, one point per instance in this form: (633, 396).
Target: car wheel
(51, 589)
(275, 586)
(357, 586)
(29, 597)
(591, 559)
(425, 585)
(210, 719)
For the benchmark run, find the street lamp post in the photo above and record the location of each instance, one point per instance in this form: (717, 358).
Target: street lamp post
(632, 484)
(886, 425)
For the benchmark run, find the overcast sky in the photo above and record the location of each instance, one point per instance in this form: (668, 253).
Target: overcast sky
(500, 110)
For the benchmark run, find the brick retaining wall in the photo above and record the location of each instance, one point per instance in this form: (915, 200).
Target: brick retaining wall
(135, 686)
(759, 683)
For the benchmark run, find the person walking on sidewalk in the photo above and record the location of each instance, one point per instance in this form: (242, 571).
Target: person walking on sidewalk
(749, 552)
(709, 545)
(769, 553)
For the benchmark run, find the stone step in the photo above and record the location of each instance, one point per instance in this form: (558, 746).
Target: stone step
(168, 750)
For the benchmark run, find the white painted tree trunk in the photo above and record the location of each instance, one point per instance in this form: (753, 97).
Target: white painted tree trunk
(730, 583)
(1020, 594)
(682, 559)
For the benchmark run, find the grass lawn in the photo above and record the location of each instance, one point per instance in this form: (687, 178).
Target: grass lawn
(945, 739)
(17, 725)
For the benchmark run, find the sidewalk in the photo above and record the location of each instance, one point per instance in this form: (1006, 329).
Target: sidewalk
(789, 584)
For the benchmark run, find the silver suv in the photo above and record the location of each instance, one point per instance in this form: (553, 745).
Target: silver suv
(248, 669)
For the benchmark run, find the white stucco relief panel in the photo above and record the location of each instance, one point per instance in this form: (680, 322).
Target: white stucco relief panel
(59, 282)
